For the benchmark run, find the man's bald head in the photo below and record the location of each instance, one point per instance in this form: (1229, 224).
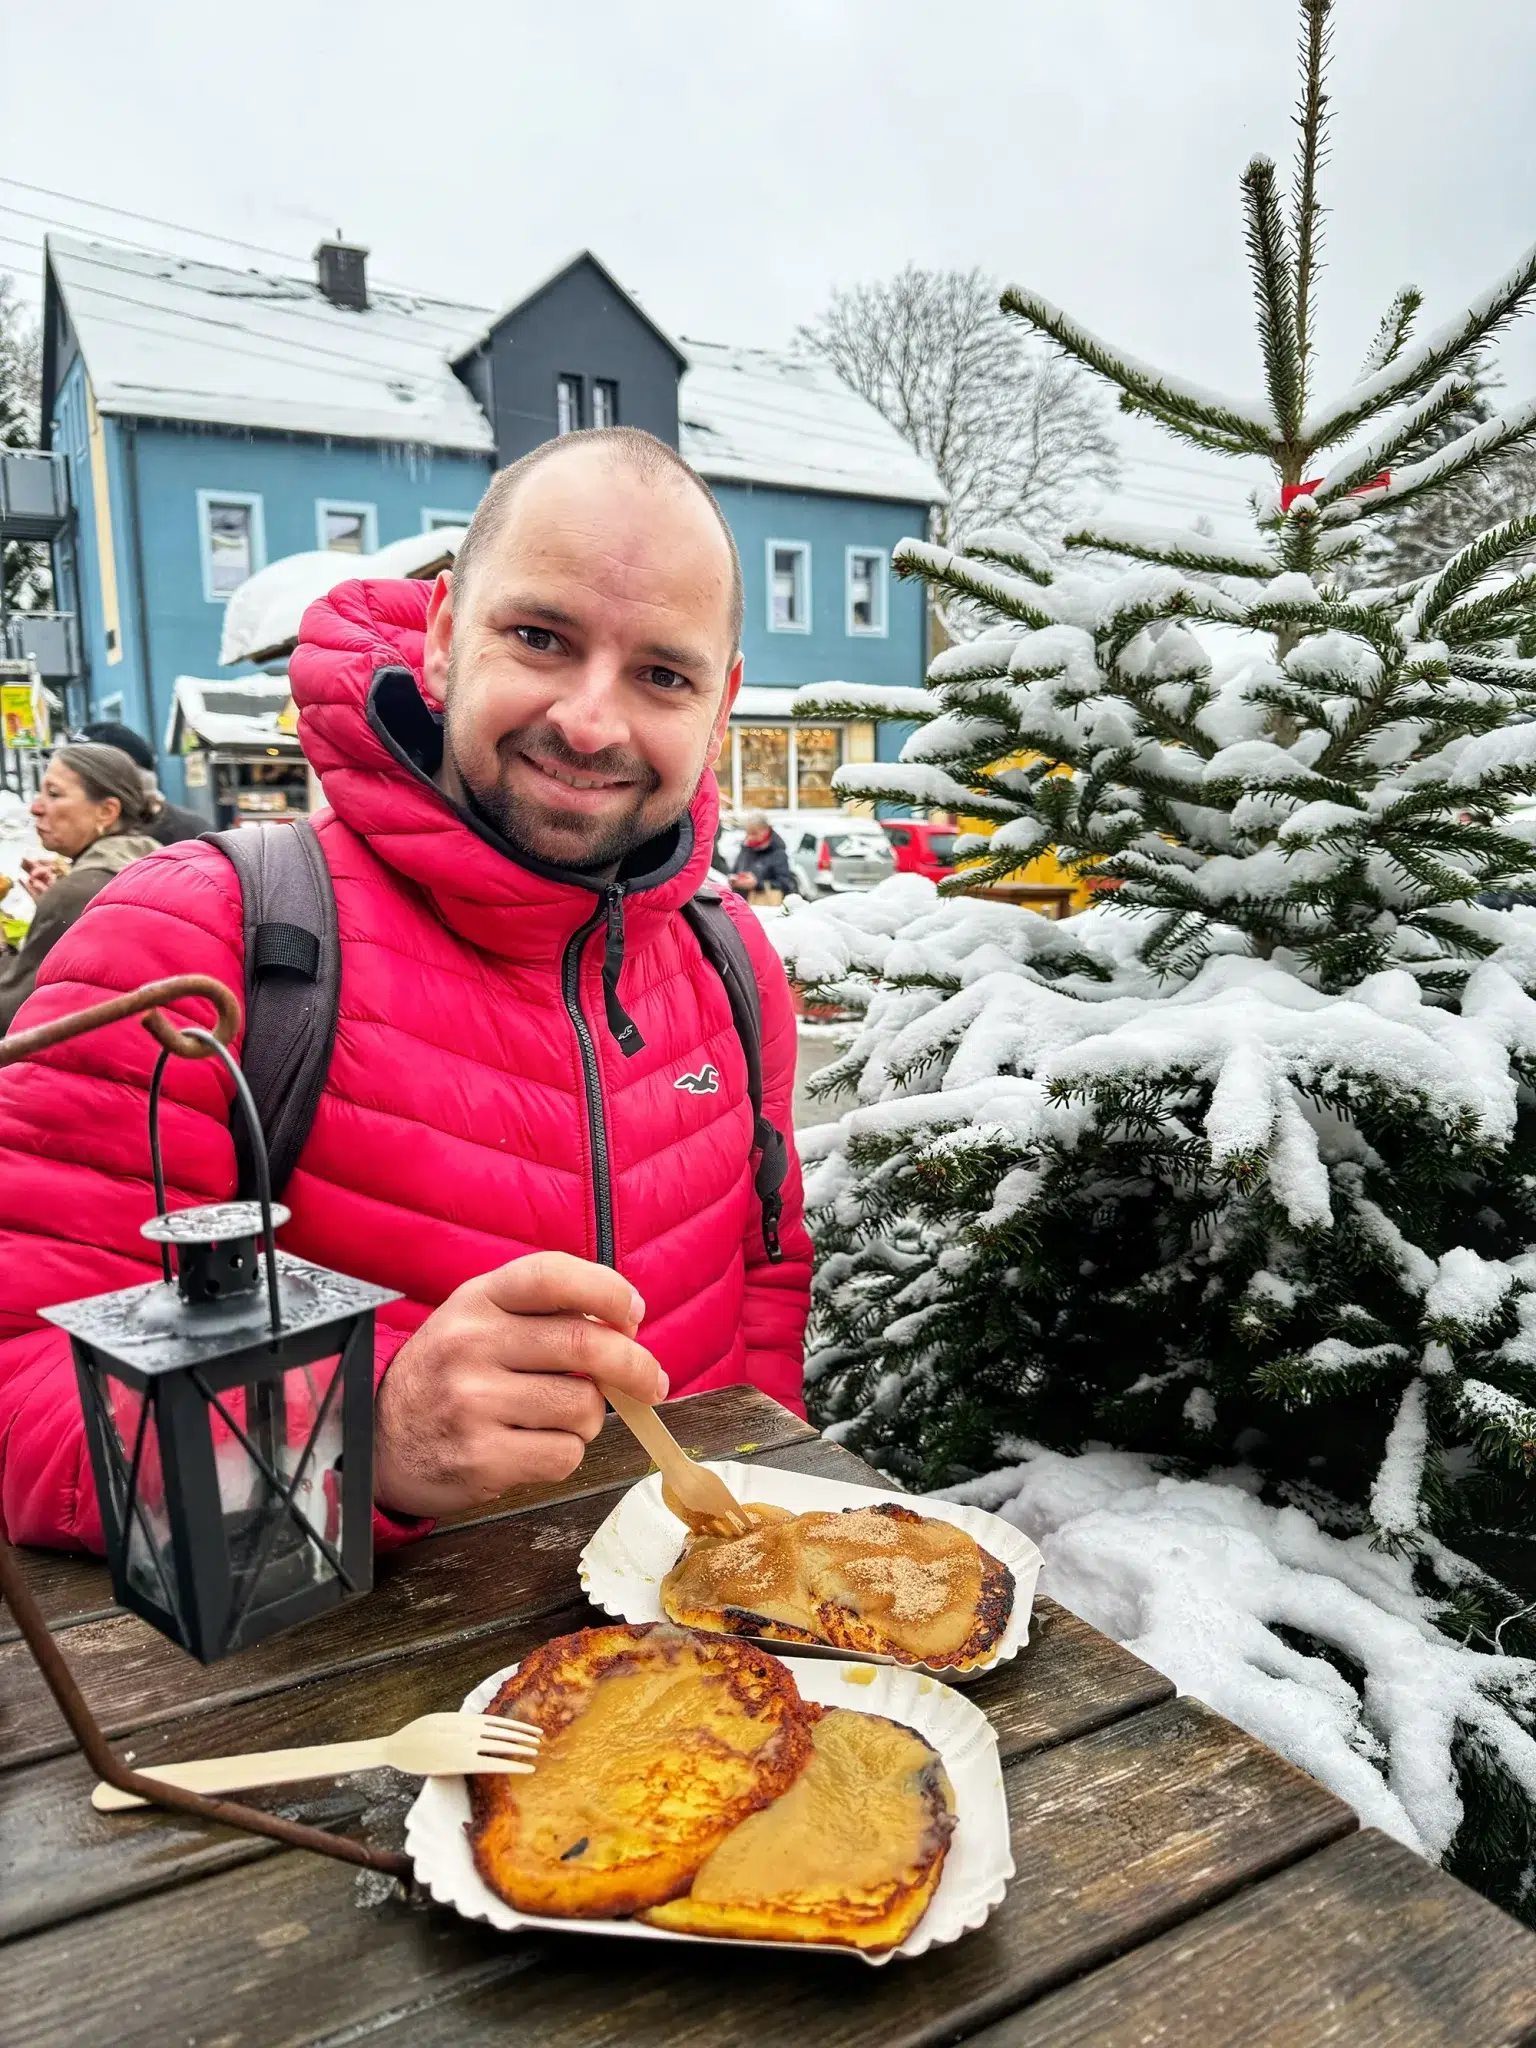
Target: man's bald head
(585, 650)
(630, 448)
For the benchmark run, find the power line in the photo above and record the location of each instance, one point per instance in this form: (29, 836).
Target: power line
(206, 234)
(461, 331)
(32, 248)
(231, 348)
(354, 359)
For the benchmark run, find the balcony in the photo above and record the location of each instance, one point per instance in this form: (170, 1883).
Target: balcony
(34, 494)
(50, 640)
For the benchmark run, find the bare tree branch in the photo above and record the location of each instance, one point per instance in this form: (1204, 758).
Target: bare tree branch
(1019, 437)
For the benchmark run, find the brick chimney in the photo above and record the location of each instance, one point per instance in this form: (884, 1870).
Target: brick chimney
(342, 273)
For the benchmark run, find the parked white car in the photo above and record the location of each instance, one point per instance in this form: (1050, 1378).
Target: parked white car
(836, 854)
(828, 850)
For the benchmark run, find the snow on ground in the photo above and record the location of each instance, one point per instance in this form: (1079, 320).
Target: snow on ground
(1197, 1576)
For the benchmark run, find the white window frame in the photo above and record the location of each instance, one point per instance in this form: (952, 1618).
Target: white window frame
(370, 516)
(881, 629)
(610, 387)
(577, 380)
(434, 516)
(732, 752)
(803, 549)
(252, 501)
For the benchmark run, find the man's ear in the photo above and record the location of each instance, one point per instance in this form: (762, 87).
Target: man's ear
(723, 715)
(434, 660)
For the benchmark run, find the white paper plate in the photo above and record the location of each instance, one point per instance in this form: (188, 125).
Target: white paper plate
(633, 1550)
(976, 1870)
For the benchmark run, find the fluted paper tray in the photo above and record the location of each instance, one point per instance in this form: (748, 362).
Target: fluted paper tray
(976, 1870)
(633, 1550)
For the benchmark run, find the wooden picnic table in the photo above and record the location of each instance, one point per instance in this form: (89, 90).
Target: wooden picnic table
(1177, 1881)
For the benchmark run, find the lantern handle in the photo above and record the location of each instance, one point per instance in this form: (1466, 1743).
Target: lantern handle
(192, 1044)
(259, 1158)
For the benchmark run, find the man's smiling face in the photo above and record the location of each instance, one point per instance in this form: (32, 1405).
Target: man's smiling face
(588, 665)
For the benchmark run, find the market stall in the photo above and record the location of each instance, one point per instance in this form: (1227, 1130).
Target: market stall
(239, 745)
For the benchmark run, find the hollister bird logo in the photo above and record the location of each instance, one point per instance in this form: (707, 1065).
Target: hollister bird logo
(705, 1082)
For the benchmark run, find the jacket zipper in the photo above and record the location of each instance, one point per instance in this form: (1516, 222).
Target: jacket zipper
(597, 1129)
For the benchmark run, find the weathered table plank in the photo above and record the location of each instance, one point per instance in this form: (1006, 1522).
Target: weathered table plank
(731, 1422)
(1118, 1835)
(1364, 1942)
(61, 1858)
(464, 1582)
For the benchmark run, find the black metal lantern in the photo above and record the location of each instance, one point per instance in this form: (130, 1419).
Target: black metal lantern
(229, 1412)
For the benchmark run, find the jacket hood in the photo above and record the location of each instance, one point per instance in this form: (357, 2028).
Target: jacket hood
(115, 850)
(374, 737)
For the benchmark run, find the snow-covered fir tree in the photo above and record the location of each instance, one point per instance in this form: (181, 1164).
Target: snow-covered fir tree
(1197, 1233)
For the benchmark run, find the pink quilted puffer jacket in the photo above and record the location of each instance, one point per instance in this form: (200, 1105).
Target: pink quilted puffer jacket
(477, 1106)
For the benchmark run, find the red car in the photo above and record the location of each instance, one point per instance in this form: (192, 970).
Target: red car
(921, 848)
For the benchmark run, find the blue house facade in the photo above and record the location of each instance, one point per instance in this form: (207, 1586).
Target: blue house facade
(231, 420)
(182, 500)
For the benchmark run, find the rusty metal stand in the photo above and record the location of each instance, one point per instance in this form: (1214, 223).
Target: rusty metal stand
(13, 1586)
(99, 1755)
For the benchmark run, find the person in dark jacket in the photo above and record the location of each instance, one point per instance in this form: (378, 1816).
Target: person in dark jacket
(168, 822)
(762, 861)
(91, 813)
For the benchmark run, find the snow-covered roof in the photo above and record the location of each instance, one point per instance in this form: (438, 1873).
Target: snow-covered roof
(225, 712)
(747, 415)
(167, 338)
(261, 620)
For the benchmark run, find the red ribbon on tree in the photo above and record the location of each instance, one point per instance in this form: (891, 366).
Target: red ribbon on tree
(1289, 493)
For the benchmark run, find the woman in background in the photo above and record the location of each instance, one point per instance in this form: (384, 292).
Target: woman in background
(92, 813)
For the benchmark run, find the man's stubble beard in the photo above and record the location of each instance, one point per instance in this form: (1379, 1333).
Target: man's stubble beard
(518, 822)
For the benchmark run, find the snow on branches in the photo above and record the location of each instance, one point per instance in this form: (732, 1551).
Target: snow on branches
(1235, 1171)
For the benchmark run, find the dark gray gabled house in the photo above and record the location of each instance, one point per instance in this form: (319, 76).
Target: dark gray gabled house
(345, 419)
(577, 351)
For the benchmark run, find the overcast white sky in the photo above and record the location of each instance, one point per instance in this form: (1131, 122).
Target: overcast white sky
(732, 164)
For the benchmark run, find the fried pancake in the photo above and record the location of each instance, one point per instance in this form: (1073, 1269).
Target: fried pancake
(880, 1580)
(850, 1854)
(656, 1744)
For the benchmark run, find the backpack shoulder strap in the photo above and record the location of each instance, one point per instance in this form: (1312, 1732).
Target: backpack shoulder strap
(292, 985)
(723, 946)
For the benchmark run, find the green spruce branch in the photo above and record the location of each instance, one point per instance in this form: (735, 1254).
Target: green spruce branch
(1274, 282)
(1414, 370)
(1307, 216)
(1183, 405)
(1392, 335)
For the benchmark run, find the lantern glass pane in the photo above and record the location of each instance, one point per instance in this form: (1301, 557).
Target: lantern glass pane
(286, 1436)
(141, 1495)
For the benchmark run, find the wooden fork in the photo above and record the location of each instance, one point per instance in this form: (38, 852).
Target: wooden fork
(432, 1746)
(699, 1497)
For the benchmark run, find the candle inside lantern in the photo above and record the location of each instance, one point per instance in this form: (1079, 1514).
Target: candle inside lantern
(230, 1428)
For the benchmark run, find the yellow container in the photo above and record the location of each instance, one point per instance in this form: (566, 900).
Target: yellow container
(1045, 869)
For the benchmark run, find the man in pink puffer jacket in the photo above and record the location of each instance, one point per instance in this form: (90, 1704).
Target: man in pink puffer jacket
(517, 764)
